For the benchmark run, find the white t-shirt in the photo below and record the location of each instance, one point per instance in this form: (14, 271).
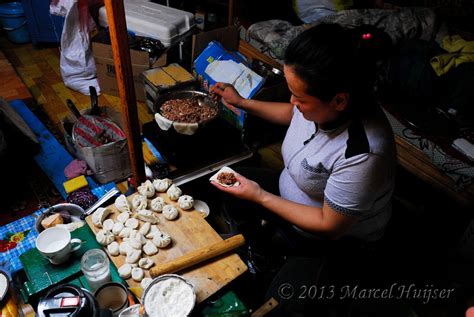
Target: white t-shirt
(351, 168)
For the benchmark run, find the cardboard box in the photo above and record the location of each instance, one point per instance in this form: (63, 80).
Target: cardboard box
(105, 66)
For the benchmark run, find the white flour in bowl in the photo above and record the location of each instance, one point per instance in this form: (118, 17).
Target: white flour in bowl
(170, 297)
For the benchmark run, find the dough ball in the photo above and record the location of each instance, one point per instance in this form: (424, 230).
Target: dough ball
(186, 202)
(174, 192)
(150, 249)
(117, 228)
(123, 217)
(145, 282)
(147, 189)
(125, 233)
(132, 223)
(113, 248)
(124, 248)
(170, 212)
(145, 228)
(157, 204)
(108, 224)
(133, 256)
(138, 274)
(161, 185)
(125, 271)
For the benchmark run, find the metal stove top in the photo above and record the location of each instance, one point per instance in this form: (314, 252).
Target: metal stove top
(213, 146)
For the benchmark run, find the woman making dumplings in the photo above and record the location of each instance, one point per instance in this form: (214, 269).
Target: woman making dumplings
(338, 153)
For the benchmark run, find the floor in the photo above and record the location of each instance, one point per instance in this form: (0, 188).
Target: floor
(423, 242)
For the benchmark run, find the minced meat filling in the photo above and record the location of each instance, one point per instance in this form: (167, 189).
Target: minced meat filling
(226, 178)
(186, 110)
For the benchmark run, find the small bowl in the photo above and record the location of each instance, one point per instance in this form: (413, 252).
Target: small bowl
(202, 207)
(74, 210)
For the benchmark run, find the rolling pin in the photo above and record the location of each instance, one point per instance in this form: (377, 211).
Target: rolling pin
(198, 256)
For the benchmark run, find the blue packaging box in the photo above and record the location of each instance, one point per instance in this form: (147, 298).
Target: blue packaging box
(216, 64)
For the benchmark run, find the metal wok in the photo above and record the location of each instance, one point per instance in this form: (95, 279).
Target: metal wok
(202, 98)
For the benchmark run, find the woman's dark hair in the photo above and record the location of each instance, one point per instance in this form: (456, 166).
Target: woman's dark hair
(331, 60)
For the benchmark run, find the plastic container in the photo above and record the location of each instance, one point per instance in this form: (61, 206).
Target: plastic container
(95, 266)
(13, 20)
(153, 20)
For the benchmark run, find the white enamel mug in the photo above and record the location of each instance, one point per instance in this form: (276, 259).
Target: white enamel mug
(56, 245)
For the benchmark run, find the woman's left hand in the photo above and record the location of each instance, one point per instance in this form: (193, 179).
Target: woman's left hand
(247, 189)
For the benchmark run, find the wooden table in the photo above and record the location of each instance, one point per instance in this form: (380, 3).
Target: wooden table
(189, 232)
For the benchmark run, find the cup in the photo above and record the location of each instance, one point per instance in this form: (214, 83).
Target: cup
(96, 268)
(113, 296)
(56, 245)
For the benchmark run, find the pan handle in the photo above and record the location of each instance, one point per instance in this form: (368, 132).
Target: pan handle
(73, 108)
(95, 111)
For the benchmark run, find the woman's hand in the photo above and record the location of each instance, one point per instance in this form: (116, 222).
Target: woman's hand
(227, 93)
(247, 189)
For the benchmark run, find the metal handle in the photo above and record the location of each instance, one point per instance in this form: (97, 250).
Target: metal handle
(99, 203)
(73, 108)
(94, 101)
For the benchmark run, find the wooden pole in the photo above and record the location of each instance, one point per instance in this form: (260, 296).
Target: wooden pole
(123, 72)
(230, 13)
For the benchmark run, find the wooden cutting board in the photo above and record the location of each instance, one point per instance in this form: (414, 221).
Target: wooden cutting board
(189, 232)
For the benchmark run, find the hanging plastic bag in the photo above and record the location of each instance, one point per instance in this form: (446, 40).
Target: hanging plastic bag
(77, 62)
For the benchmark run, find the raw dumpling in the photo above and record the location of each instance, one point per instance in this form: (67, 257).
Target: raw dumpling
(145, 263)
(124, 248)
(99, 216)
(125, 271)
(153, 231)
(186, 202)
(133, 256)
(162, 240)
(139, 202)
(138, 274)
(122, 204)
(123, 217)
(147, 216)
(157, 204)
(161, 185)
(174, 192)
(113, 248)
(145, 282)
(132, 223)
(117, 228)
(108, 224)
(105, 237)
(145, 228)
(125, 233)
(146, 189)
(135, 243)
(150, 249)
(170, 212)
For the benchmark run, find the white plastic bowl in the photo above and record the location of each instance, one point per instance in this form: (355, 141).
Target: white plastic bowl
(202, 207)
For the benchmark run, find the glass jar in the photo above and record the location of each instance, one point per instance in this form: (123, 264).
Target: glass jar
(96, 269)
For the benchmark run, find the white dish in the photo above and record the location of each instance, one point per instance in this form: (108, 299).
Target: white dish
(202, 207)
(225, 169)
(3, 285)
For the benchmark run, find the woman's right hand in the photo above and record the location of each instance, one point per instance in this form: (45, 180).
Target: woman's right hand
(227, 93)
